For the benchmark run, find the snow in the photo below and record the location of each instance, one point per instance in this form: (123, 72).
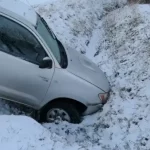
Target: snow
(35, 2)
(20, 9)
(18, 132)
(117, 40)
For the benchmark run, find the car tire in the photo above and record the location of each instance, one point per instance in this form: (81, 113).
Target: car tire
(66, 108)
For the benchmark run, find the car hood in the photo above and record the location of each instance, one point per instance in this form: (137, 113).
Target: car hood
(82, 67)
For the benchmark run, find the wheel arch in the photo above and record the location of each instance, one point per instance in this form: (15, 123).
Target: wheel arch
(79, 106)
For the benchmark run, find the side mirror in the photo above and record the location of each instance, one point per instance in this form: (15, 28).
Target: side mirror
(46, 63)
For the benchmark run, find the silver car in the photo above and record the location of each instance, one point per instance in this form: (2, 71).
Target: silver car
(37, 71)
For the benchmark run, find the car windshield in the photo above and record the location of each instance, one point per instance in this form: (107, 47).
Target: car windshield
(52, 42)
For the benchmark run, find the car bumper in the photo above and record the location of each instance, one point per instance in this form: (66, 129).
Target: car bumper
(92, 109)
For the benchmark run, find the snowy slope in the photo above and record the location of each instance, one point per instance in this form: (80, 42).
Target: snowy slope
(117, 39)
(120, 44)
(23, 133)
(74, 21)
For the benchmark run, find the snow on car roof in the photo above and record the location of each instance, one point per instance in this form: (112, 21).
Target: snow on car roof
(21, 9)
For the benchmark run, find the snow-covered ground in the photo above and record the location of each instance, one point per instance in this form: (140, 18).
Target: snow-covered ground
(116, 37)
(23, 133)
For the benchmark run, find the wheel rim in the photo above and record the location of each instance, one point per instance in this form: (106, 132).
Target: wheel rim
(57, 114)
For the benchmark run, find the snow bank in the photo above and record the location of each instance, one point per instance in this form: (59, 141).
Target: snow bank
(23, 133)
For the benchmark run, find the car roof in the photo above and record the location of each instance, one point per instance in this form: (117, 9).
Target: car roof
(19, 10)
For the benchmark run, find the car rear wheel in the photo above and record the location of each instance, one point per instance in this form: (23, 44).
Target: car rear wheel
(59, 111)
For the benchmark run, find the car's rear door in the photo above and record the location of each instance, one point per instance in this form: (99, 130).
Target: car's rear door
(21, 79)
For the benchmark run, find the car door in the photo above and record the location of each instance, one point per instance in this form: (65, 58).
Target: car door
(21, 79)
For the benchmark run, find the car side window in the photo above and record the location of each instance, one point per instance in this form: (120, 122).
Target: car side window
(18, 41)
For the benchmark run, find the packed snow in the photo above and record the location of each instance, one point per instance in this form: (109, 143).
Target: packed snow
(116, 37)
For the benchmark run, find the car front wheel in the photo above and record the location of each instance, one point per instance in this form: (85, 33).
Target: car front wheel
(60, 111)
